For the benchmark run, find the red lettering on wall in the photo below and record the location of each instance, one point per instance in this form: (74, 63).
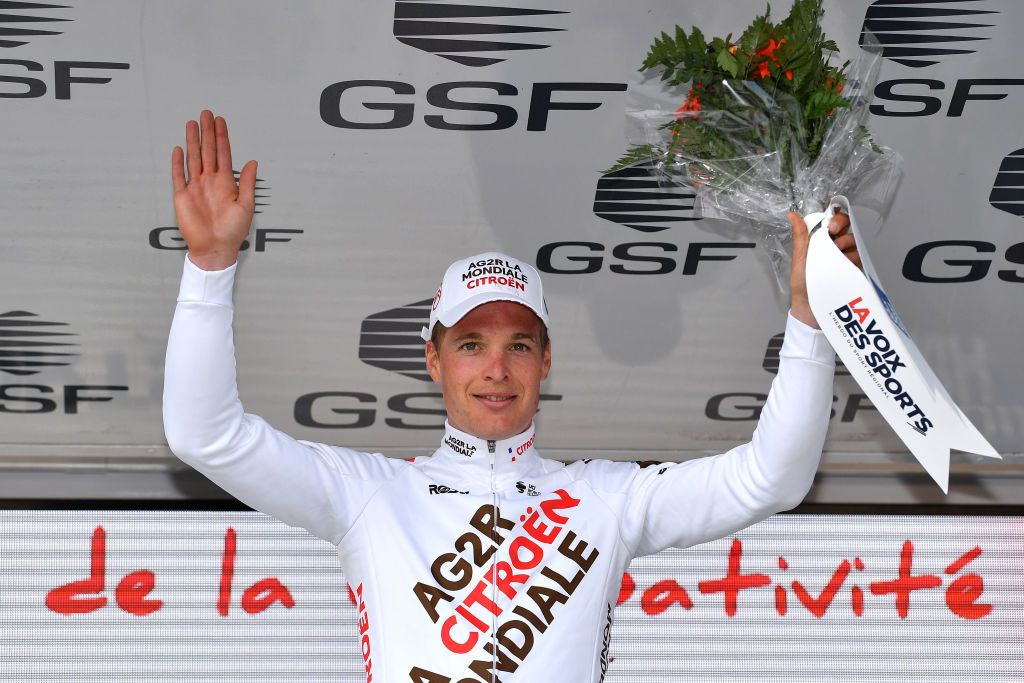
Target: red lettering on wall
(905, 584)
(734, 581)
(132, 590)
(817, 606)
(663, 595)
(257, 597)
(83, 596)
(626, 589)
(962, 595)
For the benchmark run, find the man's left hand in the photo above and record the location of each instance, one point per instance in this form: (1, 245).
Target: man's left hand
(839, 229)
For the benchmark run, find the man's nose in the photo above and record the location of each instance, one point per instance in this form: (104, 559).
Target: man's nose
(497, 366)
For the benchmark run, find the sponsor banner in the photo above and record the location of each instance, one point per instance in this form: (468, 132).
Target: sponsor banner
(150, 595)
(396, 136)
(867, 334)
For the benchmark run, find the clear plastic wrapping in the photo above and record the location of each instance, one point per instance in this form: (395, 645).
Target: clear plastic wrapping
(758, 159)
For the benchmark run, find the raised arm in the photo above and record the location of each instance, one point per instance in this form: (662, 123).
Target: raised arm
(707, 498)
(317, 487)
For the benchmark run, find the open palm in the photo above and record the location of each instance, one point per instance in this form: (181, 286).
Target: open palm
(214, 212)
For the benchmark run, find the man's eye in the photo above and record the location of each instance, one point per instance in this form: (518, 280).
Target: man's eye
(519, 346)
(468, 346)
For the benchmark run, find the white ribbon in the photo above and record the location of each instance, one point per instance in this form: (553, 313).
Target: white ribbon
(861, 325)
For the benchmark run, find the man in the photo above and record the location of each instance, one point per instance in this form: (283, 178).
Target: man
(485, 561)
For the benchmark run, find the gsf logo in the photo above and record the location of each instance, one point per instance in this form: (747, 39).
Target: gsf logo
(465, 34)
(30, 346)
(746, 406)
(973, 260)
(169, 238)
(388, 340)
(29, 79)
(961, 261)
(920, 34)
(642, 198)
(633, 258)
(344, 104)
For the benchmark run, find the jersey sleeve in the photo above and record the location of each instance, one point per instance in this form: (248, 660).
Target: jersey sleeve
(683, 504)
(314, 486)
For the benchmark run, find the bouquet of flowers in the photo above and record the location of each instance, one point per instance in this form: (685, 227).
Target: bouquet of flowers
(768, 123)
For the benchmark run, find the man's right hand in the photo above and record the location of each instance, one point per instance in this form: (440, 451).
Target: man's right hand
(214, 212)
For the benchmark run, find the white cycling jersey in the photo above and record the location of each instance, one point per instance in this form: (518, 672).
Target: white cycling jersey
(485, 561)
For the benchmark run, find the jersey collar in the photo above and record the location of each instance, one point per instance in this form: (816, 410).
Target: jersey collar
(460, 445)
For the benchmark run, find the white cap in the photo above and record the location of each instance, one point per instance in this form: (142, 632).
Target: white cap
(483, 278)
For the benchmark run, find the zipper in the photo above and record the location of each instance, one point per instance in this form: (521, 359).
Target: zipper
(491, 446)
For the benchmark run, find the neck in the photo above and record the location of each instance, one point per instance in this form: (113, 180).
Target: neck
(460, 443)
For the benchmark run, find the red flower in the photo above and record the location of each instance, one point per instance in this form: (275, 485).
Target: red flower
(692, 103)
(768, 52)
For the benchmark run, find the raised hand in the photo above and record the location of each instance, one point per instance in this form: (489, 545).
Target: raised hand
(839, 229)
(214, 212)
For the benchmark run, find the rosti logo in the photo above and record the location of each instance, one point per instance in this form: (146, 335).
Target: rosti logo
(919, 34)
(437, 299)
(28, 346)
(640, 197)
(438, 489)
(465, 33)
(25, 79)
(1008, 190)
(389, 340)
(168, 238)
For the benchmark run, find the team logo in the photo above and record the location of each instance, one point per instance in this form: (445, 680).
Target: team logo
(390, 340)
(437, 489)
(919, 34)
(17, 29)
(528, 489)
(642, 198)
(1008, 190)
(473, 34)
(459, 446)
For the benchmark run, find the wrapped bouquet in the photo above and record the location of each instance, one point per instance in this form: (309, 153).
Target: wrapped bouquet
(769, 122)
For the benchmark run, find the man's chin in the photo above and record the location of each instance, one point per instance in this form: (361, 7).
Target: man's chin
(490, 431)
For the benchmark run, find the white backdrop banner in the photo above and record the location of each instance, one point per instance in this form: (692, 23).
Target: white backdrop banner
(389, 146)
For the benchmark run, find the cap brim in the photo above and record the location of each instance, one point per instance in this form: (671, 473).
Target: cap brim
(456, 313)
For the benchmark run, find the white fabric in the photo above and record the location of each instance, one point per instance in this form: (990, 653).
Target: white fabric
(532, 596)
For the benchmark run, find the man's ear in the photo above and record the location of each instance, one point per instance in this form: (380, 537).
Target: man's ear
(547, 361)
(433, 361)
